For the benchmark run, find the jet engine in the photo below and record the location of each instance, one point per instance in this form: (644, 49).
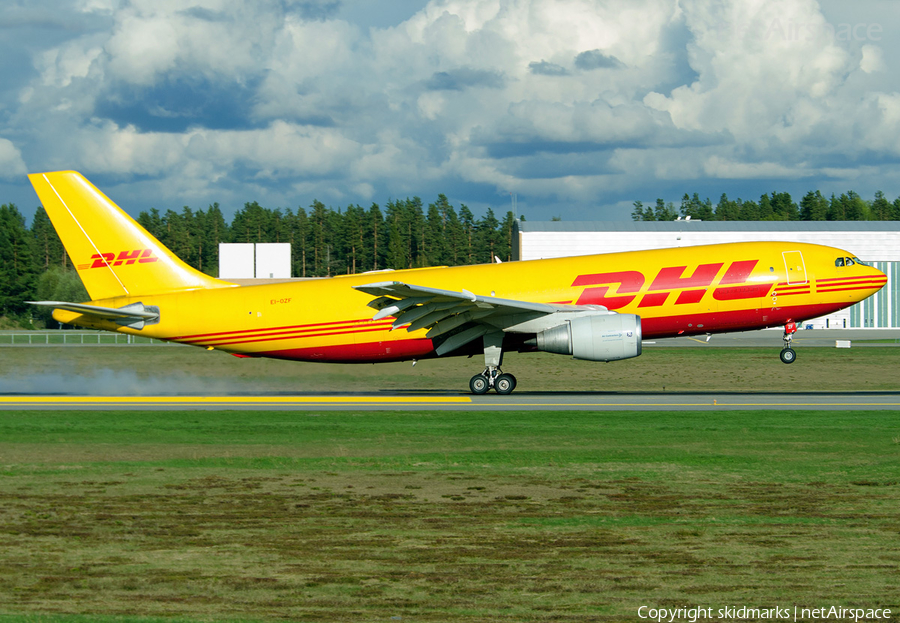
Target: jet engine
(606, 337)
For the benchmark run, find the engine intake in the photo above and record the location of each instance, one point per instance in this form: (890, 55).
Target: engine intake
(594, 338)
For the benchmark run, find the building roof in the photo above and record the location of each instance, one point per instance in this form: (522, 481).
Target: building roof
(707, 226)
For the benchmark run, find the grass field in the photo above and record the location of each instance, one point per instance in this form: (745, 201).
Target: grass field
(175, 369)
(444, 516)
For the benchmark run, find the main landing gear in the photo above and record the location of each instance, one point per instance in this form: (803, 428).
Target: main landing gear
(493, 377)
(501, 382)
(787, 353)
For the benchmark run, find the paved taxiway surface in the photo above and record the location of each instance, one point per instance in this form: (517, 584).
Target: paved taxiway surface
(596, 401)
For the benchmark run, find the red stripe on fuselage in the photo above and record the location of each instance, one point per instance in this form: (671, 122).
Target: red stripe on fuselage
(369, 352)
(852, 288)
(295, 326)
(264, 333)
(298, 336)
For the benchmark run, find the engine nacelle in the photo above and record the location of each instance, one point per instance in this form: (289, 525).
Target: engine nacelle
(606, 337)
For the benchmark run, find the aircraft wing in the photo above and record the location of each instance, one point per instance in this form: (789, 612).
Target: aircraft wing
(135, 315)
(466, 315)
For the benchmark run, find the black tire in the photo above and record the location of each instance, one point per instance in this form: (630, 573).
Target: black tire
(505, 384)
(788, 355)
(479, 384)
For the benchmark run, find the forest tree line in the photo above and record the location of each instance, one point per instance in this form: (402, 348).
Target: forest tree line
(327, 241)
(814, 206)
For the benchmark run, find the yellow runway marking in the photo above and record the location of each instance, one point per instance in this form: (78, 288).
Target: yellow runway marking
(280, 400)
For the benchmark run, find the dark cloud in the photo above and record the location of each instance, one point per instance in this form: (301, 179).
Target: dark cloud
(463, 78)
(181, 103)
(532, 147)
(595, 59)
(547, 69)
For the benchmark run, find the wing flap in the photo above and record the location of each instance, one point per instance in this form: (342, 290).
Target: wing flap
(461, 317)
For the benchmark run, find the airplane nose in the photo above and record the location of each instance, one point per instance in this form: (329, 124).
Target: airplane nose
(878, 276)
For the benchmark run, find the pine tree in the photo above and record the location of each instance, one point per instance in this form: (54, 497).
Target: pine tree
(436, 233)
(378, 229)
(397, 243)
(152, 222)
(836, 209)
(487, 238)
(856, 208)
(749, 210)
(783, 207)
(881, 207)
(467, 220)
(17, 270)
(813, 207)
(212, 232)
(456, 239)
(415, 223)
(664, 211)
(640, 214)
(506, 233)
(48, 248)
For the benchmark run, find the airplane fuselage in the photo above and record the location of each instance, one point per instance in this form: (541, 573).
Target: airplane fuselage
(681, 291)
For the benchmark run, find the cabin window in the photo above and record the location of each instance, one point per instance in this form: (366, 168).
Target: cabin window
(771, 269)
(839, 261)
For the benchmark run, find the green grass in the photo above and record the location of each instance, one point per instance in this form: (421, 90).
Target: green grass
(443, 516)
(152, 369)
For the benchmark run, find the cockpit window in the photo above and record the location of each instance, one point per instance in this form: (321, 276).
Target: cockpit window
(839, 261)
(848, 262)
(859, 261)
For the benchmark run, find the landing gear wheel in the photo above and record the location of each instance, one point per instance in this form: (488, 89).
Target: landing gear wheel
(788, 355)
(479, 384)
(505, 384)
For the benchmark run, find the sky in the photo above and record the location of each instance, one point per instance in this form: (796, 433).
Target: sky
(576, 107)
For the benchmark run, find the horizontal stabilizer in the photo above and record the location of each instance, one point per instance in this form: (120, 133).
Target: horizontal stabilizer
(135, 315)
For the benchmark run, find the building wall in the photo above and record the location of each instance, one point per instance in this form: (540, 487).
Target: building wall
(869, 246)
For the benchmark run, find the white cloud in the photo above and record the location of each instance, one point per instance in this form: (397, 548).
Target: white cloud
(11, 163)
(872, 59)
(574, 101)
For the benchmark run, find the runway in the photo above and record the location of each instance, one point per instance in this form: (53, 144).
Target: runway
(531, 401)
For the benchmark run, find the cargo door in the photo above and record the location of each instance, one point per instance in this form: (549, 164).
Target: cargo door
(794, 267)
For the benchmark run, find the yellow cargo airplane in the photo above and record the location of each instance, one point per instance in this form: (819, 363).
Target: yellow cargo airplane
(596, 307)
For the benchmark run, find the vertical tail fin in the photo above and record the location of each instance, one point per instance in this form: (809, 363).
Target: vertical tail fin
(113, 254)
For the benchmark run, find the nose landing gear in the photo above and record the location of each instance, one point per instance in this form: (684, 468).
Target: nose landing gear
(787, 353)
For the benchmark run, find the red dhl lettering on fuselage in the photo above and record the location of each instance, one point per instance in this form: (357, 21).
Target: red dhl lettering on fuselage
(127, 258)
(732, 286)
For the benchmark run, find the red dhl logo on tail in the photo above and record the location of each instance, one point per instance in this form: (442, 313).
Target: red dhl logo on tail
(733, 285)
(142, 256)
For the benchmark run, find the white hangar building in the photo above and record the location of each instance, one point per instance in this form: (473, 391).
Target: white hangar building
(875, 242)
